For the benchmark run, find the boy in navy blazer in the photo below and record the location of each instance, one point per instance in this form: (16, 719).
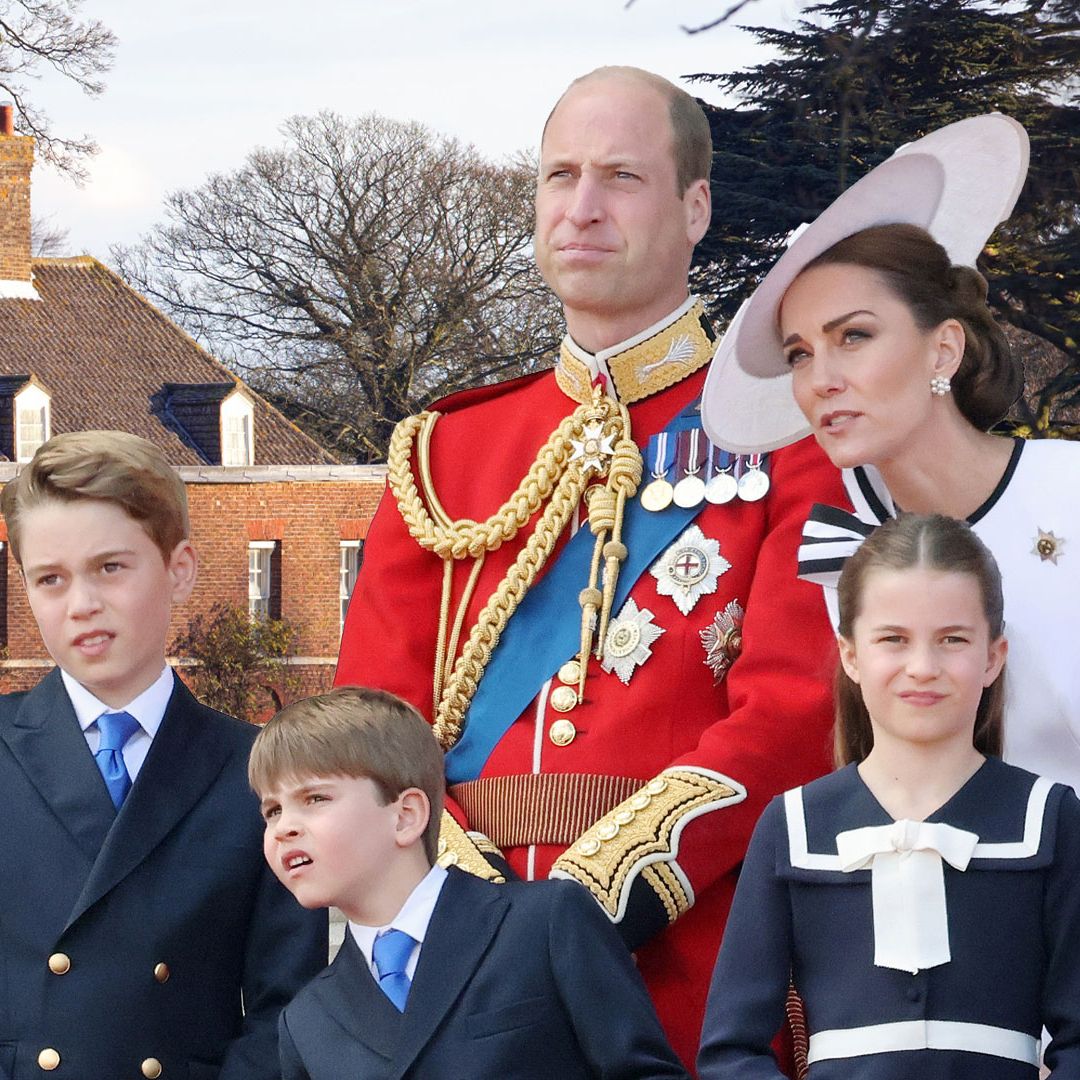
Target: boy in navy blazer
(441, 975)
(140, 931)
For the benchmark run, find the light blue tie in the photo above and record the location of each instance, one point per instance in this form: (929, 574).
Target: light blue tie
(391, 953)
(116, 728)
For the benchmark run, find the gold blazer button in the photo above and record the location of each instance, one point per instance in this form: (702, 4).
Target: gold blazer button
(151, 1068)
(59, 964)
(48, 1059)
(161, 972)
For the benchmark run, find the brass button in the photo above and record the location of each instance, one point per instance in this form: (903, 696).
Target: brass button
(48, 1059)
(589, 846)
(640, 801)
(562, 733)
(656, 785)
(570, 673)
(563, 698)
(608, 830)
(151, 1068)
(59, 963)
(161, 972)
(624, 817)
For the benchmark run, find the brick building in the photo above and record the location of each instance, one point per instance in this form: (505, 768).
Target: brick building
(279, 524)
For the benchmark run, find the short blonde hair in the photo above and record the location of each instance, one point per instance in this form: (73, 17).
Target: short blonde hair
(691, 136)
(357, 732)
(109, 466)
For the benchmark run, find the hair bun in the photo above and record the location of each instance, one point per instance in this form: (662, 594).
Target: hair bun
(968, 285)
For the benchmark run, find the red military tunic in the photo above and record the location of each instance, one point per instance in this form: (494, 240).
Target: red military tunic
(677, 763)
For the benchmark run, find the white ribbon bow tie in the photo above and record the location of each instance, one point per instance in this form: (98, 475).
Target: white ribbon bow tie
(907, 879)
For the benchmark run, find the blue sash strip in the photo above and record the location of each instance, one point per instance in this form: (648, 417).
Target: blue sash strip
(545, 630)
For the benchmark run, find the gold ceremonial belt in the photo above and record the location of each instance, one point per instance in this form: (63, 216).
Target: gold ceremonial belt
(545, 808)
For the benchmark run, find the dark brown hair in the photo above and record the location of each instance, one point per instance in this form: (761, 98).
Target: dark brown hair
(691, 136)
(357, 732)
(110, 466)
(933, 542)
(917, 269)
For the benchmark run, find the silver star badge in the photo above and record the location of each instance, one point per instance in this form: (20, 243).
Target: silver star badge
(1048, 547)
(722, 639)
(629, 636)
(689, 569)
(593, 448)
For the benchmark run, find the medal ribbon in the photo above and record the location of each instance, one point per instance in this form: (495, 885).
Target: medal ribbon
(545, 631)
(659, 457)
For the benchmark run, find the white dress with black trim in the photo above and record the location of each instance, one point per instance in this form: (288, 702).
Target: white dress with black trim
(979, 958)
(1031, 524)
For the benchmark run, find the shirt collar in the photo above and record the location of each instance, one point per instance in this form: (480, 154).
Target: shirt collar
(148, 708)
(650, 361)
(413, 918)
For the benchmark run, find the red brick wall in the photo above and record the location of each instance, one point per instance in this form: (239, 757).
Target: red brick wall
(16, 160)
(308, 519)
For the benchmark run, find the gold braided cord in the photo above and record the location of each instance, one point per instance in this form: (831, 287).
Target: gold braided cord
(458, 539)
(484, 636)
(556, 481)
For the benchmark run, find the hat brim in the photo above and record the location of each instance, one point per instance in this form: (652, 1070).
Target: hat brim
(958, 183)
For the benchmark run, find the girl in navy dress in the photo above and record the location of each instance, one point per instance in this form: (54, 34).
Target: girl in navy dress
(925, 898)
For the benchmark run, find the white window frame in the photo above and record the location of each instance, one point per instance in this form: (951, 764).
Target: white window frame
(352, 555)
(260, 577)
(237, 430)
(31, 399)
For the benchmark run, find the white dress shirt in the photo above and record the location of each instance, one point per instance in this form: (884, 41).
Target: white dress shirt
(148, 709)
(413, 919)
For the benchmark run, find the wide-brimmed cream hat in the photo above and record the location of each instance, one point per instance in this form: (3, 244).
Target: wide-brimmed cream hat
(958, 183)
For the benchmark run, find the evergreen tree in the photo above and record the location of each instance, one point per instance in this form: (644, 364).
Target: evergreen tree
(854, 80)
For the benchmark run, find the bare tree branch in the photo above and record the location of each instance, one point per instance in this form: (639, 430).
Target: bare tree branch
(364, 270)
(36, 34)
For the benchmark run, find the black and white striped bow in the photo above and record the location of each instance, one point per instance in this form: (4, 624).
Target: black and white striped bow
(831, 536)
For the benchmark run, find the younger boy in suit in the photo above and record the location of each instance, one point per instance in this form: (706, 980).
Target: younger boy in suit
(441, 975)
(141, 933)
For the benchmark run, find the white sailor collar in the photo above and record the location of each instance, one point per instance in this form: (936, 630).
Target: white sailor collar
(1011, 811)
(658, 357)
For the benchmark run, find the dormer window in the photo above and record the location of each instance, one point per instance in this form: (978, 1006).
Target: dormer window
(32, 421)
(237, 443)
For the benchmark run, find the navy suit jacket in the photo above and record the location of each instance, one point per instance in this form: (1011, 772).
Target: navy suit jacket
(176, 878)
(526, 980)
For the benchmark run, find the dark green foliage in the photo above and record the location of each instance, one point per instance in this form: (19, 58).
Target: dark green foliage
(240, 666)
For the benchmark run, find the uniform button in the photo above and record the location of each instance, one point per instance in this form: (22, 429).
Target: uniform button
(562, 733)
(563, 698)
(151, 1068)
(570, 673)
(59, 963)
(589, 846)
(48, 1059)
(161, 972)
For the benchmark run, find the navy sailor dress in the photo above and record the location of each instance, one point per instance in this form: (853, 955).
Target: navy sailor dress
(948, 975)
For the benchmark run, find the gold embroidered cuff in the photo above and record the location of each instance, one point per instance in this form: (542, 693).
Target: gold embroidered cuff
(641, 836)
(466, 850)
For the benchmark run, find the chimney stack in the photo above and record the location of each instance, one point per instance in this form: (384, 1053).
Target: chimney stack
(16, 161)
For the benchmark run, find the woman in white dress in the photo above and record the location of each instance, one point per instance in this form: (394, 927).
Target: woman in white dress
(873, 329)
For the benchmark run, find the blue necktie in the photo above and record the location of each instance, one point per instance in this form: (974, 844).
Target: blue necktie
(391, 953)
(116, 728)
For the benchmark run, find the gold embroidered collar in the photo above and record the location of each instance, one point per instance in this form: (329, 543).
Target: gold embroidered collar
(645, 364)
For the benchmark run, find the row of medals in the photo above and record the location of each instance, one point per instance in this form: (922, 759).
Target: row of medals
(716, 477)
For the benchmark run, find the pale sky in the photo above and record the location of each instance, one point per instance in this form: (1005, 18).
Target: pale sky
(197, 85)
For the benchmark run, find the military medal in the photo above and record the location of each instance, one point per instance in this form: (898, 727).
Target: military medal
(689, 569)
(690, 490)
(722, 639)
(754, 482)
(721, 487)
(629, 636)
(657, 494)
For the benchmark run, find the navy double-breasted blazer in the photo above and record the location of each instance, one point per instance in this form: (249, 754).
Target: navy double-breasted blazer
(527, 980)
(153, 941)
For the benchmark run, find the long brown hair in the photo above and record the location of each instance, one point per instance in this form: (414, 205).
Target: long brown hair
(933, 542)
